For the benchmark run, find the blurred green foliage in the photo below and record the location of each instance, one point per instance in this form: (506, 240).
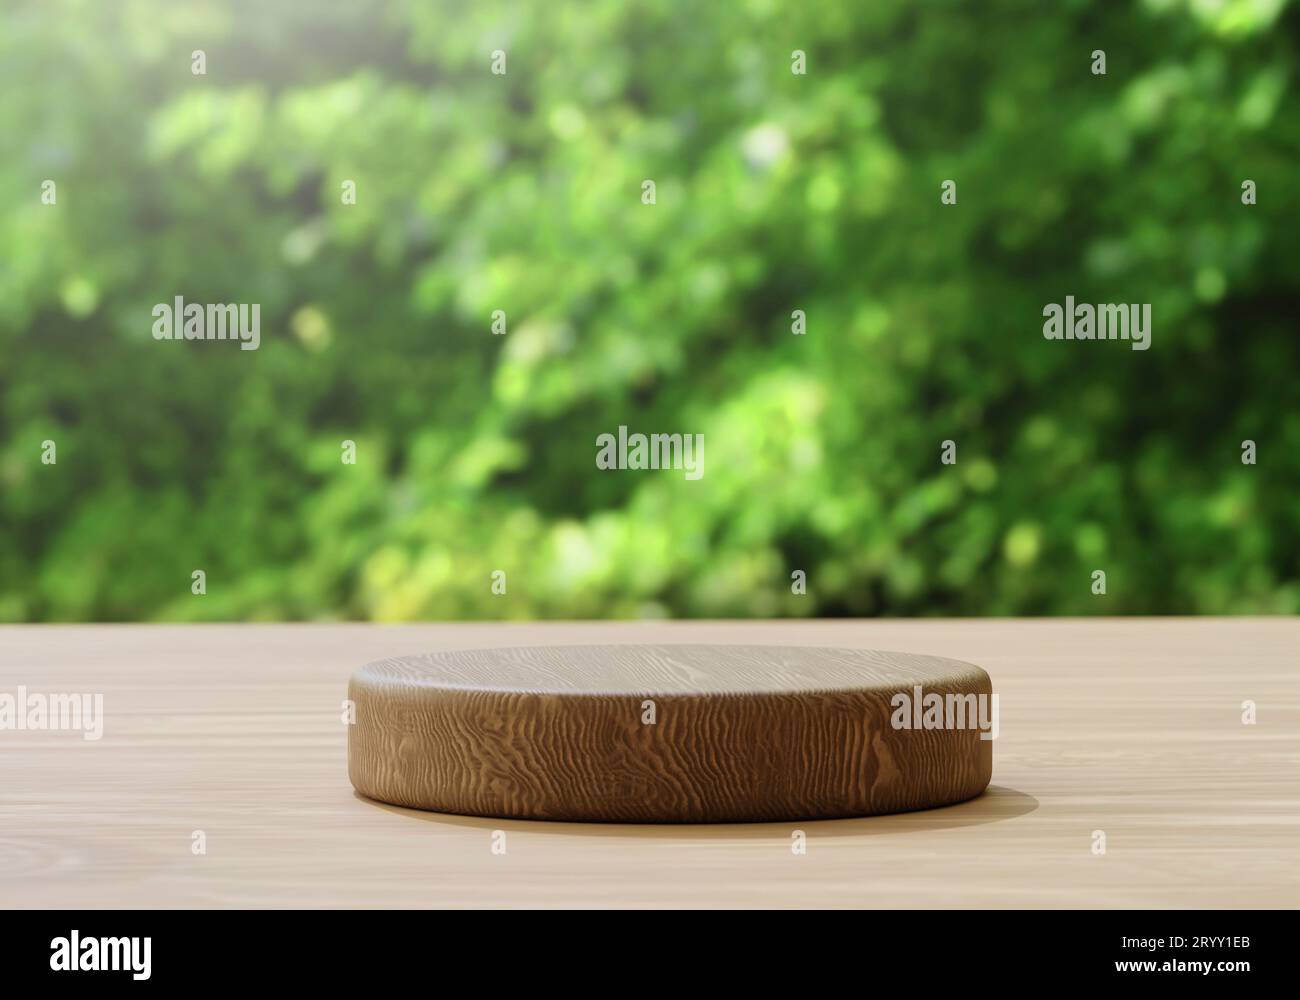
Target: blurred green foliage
(522, 192)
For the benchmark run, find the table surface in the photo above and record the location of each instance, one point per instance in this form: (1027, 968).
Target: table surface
(1133, 727)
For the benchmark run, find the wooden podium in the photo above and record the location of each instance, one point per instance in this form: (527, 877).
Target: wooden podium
(670, 734)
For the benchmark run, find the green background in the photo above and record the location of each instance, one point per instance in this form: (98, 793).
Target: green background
(522, 192)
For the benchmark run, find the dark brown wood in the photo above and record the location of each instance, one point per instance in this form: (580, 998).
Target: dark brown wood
(685, 734)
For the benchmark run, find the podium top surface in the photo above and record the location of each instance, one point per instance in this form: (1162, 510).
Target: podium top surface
(668, 670)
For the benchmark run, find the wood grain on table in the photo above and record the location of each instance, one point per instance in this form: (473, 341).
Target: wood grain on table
(1128, 726)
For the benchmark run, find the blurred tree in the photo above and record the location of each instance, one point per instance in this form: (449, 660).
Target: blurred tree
(361, 172)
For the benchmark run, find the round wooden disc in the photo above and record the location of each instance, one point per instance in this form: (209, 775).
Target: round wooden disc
(664, 734)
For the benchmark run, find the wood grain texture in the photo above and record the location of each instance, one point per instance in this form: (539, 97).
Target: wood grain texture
(740, 733)
(1131, 726)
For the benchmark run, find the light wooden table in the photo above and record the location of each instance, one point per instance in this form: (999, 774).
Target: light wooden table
(1132, 727)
